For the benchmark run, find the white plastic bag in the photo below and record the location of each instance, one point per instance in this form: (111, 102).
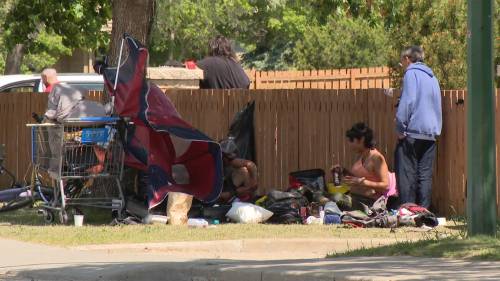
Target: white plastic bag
(248, 213)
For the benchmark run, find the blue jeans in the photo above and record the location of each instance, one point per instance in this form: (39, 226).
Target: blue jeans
(414, 161)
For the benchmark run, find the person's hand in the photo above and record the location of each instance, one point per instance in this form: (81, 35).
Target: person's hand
(401, 136)
(225, 197)
(353, 181)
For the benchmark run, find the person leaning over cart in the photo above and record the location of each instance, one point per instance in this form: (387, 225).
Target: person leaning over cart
(65, 101)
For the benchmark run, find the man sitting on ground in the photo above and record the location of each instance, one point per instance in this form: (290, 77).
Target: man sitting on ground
(240, 175)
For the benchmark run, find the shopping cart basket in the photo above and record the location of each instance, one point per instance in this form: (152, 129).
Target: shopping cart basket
(84, 157)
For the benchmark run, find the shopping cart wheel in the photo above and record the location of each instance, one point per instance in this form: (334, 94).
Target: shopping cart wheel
(48, 216)
(63, 217)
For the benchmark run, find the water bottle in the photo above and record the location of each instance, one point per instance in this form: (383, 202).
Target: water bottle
(197, 223)
(337, 176)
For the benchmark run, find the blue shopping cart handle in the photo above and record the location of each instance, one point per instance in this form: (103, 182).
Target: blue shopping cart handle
(94, 119)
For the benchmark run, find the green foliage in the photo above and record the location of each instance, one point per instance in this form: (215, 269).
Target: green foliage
(78, 22)
(275, 34)
(275, 45)
(45, 51)
(52, 28)
(278, 25)
(440, 28)
(4, 9)
(183, 28)
(342, 43)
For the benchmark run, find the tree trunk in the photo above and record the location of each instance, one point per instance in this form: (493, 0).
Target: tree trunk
(172, 44)
(14, 60)
(134, 17)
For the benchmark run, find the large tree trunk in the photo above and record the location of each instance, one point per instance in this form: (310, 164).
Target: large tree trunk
(14, 60)
(134, 17)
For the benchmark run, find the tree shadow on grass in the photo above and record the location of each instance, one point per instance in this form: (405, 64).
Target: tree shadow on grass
(29, 217)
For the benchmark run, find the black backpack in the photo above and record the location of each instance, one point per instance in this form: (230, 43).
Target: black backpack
(285, 206)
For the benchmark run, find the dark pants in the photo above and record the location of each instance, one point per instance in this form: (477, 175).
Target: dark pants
(414, 161)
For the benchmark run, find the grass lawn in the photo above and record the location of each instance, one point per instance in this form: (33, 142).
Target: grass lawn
(476, 248)
(26, 225)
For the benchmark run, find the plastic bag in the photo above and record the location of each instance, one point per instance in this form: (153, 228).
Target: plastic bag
(248, 213)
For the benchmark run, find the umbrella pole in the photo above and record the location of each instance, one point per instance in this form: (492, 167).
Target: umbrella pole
(117, 72)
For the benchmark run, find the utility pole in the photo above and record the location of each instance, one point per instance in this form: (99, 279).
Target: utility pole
(481, 166)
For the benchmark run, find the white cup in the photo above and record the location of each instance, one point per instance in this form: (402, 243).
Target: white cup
(78, 220)
(441, 221)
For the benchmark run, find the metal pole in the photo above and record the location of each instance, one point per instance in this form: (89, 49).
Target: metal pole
(481, 170)
(119, 64)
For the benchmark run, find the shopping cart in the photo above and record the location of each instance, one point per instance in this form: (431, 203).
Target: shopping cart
(84, 158)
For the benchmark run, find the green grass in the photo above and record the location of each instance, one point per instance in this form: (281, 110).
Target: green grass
(435, 244)
(475, 248)
(25, 225)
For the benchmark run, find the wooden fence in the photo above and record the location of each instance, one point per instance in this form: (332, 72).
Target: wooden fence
(295, 129)
(354, 78)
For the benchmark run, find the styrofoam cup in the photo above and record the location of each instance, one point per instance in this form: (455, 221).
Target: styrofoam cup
(441, 221)
(78, 220)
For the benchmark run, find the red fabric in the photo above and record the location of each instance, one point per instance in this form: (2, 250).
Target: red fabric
(49, 88)
(149, 145)
(414, 208)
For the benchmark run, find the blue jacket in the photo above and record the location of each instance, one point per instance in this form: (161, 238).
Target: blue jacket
(419, 113)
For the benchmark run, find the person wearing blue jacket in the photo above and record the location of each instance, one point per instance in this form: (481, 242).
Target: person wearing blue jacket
(418, 124)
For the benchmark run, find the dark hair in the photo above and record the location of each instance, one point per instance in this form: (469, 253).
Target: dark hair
(221, 46)
(359, 131)
(414, 53)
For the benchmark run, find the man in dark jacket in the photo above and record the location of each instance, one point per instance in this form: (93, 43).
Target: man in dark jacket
(221, 69)
(418, 123)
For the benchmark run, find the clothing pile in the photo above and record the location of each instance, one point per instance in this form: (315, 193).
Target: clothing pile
(307, 202)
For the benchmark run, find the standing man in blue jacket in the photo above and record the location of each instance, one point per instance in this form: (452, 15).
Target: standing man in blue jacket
(418, 123)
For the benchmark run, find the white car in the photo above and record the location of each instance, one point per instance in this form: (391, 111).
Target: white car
(33, 82)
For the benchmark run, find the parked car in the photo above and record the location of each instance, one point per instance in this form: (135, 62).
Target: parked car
(33, 82)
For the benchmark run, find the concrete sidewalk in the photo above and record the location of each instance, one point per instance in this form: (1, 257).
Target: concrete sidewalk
(26, 261)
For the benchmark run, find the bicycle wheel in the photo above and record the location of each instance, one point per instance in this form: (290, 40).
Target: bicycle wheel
(15, 198)
(43, 193)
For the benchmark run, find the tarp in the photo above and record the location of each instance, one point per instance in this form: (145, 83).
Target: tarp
(243, 133)
(177, 157)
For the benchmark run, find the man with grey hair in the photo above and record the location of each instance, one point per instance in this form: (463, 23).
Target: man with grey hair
(418, 124)
(49, 79)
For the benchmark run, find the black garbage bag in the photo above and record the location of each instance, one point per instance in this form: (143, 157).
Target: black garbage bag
(285, 207)
(314, 179)
(242, 132)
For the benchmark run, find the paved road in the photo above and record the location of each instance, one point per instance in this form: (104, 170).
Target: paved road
(234, 260)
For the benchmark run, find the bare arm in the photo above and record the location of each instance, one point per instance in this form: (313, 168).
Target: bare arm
(250, 166)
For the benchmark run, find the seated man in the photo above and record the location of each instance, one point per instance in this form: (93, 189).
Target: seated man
(369, 178)
(240, 175)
